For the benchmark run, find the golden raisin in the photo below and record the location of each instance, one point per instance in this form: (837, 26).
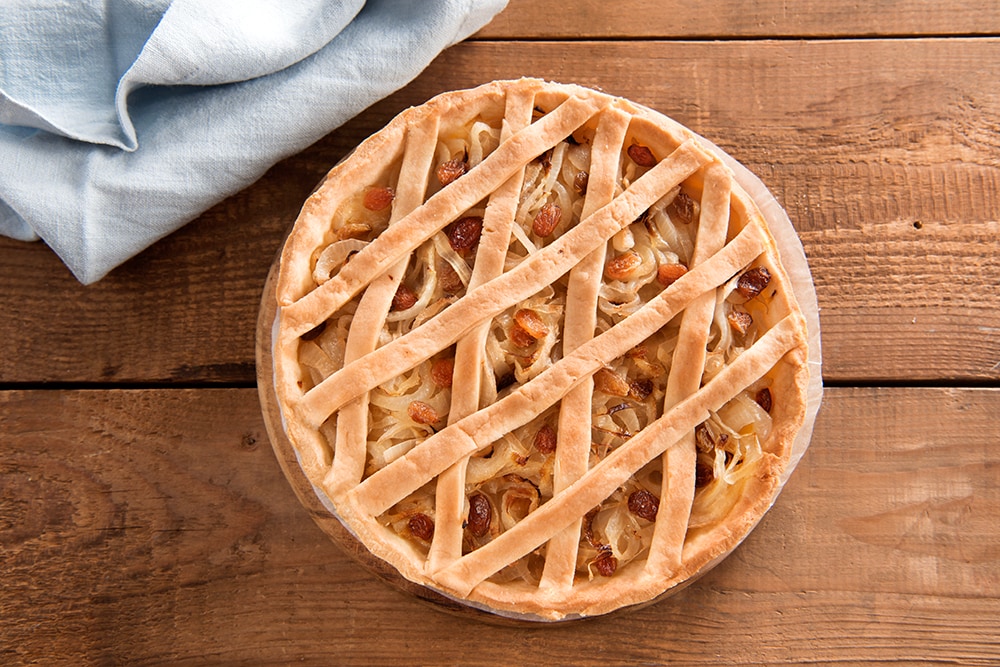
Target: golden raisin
(545, 439)
(580, 182)
(753, 282)
(463, 234)
(609, 382)
(451, 282)
(643, 504)
(376, 199)
(740, 321)
(622, 266)
(666, 274)
(606, 564)
(764, 399)
(422, 413)
(684, 206)
(451, 170)
(546, 220)
(404, 298)
(442, 371)
(706, 442)
(641, 388)
(421, 526)
(641, 155)
(480, 515)
(519, 337)
(531, 322)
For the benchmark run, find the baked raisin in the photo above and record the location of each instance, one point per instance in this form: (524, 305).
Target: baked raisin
(703, 439)
(753, 282)
(377, 199)
(609, 382)
(643, 504)
(606, 564)
(421, 526)
(684, 206)
(667, 274)
(404, 298)
(622, 266)
(519, 337)
(480, 515)
(546, 220)
(442, 371)
(451, 282)
(640, 388)
(545, 439)
(641, 155)
(764, 400)
(422, 413)
(740, 321)
(463, 234)
(531, 322)
(448, 172)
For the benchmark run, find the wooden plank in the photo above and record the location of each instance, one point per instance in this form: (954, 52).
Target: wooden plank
(728, 19)
(152, 527)
(862, 141)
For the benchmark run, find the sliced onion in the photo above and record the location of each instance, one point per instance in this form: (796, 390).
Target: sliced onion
(483, 140)
(519, 500)
(313, 357)
(333, 257)
(743, 412)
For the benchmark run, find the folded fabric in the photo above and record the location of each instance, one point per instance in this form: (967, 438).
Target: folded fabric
(122, 120)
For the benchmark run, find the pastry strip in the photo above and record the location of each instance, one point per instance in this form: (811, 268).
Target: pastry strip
(536, 271)
(686, 370)
(439, 210)
(352, 421)
(418, 466)
(449, 504)
(610, 473)
(573, 436)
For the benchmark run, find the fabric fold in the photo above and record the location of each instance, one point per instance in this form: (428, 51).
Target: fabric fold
(215, 93)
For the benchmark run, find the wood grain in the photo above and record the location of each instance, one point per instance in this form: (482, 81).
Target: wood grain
(154, 526)
(548, 19)
(863, 142)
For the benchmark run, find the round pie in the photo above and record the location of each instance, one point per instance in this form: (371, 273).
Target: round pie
(536, 349)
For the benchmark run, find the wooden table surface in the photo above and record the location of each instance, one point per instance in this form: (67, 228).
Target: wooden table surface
(144, 518)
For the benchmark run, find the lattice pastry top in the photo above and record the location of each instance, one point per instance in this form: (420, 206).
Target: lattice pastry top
(538, 350)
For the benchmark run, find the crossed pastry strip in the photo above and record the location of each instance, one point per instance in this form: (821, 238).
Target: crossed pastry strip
(378, 268)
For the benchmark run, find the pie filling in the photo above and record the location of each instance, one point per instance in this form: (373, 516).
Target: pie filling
(507, 355)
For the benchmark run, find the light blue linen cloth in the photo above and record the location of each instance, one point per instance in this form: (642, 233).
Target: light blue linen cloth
(122, 120)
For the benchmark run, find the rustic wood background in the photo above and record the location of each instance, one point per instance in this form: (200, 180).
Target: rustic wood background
(145, 520)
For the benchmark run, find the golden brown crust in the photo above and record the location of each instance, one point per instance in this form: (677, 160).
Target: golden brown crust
(641, 162)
